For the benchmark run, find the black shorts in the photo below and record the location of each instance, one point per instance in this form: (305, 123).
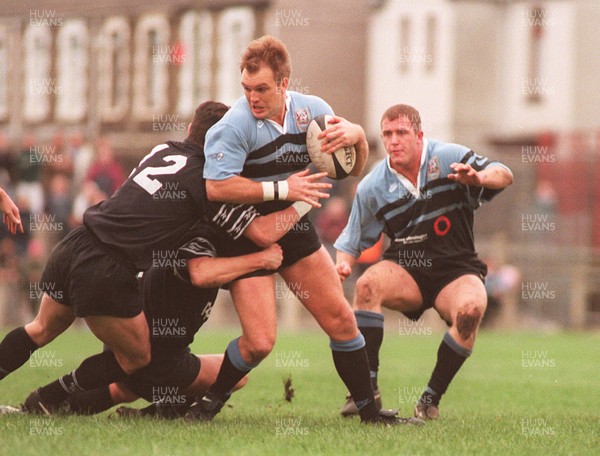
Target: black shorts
(81, 274)
(166, 377)
(301, 241)
(432, 280)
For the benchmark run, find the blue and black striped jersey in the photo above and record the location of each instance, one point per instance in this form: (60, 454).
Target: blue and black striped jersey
(435, 219)
(261, 150)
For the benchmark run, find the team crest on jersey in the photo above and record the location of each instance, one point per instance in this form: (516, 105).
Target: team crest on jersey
(433, 168)
(302, 118)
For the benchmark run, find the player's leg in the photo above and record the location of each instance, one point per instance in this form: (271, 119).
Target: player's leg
(385, 284)
(209, 369)
(17, 346)
(462, 304)
(254, 300)
(97, 400)
(321, 293)
(129, 341)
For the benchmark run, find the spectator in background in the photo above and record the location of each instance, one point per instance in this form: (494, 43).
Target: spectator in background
(81, 154)
(331, 220)
(30, 160)
(56, 159)
(7, 156)
(58, 207)
(106, 171)
(88, 195)
(500, 282)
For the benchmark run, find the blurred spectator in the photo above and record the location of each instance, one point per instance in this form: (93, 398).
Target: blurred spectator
(28, 171)
(546, 198)
(81, 154)
(106, 171)
(56, 159)
(88, 195)
(7, 157)
(501, 281)
(331, 220)
(58, 207)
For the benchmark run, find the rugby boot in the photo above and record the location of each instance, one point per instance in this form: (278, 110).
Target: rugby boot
(206, 408)
(350, 409)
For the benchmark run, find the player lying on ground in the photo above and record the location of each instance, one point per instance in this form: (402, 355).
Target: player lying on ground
(260, 140)
(422, 196)
(178, 297)
(91, 274)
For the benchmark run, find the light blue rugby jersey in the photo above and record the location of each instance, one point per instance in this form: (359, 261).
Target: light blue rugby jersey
(436, 218)
(261, 150)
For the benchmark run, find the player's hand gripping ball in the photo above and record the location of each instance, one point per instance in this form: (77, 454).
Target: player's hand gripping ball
(338, 164)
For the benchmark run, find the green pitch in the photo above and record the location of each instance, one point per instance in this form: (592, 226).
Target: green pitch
(518, 394)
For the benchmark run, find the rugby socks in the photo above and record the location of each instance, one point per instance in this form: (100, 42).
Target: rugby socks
(352, 365)
(450, 358)
(15, 349)
(96, 371)
(90, 402)
(233, 369)
(370, 324)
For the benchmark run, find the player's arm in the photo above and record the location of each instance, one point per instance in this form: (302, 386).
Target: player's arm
(493, 177)
(361, 232)
(10, 213)
(268, 229)
(344, 262)
(207, 272)
(300, 186)
(343, 133)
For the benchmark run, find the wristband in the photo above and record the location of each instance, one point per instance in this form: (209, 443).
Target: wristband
(277, 191)
(268, 191)
(302, 208)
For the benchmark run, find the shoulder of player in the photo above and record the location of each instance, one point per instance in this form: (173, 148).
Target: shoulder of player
(437, 147)
(373, 180)
(237, 119)
(315, 104)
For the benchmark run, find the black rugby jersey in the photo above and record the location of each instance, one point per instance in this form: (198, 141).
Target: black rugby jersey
(158, 203)
(174, 308)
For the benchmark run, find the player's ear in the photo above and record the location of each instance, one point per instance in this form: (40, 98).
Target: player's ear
(189, 128)
(285, 82)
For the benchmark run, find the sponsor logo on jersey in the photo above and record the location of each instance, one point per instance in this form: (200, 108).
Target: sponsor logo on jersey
(433, 168)
(217, 156)
(412, 239)
(302, 118)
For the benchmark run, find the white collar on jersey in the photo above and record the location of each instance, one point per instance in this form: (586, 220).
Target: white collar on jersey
(403, 180)
(283, 129)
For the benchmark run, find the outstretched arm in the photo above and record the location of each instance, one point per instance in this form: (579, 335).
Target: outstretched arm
(10, 213)
(494, 177)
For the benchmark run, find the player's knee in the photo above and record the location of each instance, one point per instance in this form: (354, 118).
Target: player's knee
(367, 290)
(468, 319)
(133, 362)
(260, 347)
(39, 333)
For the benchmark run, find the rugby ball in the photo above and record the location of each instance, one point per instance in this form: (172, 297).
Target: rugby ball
(338, 164)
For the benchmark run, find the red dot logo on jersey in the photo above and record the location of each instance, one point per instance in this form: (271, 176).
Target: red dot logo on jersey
(442, 225)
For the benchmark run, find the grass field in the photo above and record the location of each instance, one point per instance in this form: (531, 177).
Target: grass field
(519, 394)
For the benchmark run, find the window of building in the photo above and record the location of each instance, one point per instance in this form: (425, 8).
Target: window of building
(404, 44)
(235, 30)
(195, 73)
(153, 54)
(72, 71)
(430, 40)
(37, 83)
(114, 69)
(3, 73)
